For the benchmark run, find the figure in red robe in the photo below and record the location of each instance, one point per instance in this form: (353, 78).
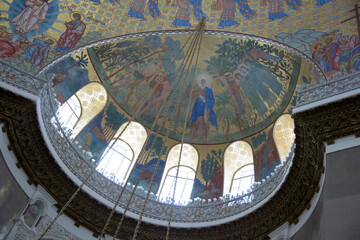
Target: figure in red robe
(29, 18)
(74, 31)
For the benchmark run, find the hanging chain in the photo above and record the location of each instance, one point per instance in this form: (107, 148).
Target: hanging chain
(184, 130)
(166, 137)
(94, 169)
(142, 152)
(122, 219)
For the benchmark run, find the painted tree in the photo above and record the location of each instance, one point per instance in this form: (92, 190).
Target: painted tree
(224, 112)
(209, 165)
(113, 120)
(81, 61)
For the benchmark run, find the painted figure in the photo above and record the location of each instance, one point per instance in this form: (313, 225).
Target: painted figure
(137, 9)
(31, 214)
(182, 14)
(197, 9)
(29, 19)
(244, 9)
(228, 14)
(163, 87)
(147, 74)
(39, 51)
(319, 54)
(322, 2)
(266, 158)
(229, 10)
(7, 49)
(202, 113)
(276, 10)
(74, 31)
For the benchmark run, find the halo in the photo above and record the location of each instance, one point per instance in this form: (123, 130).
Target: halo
(51, 38)
(332, 37)
(312, 47)
(204, 76)
(72, 13)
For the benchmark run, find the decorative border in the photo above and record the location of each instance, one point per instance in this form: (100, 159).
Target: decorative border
(307, 95)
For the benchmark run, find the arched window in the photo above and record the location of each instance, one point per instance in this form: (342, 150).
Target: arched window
(116, 160)
(82, 107)
(69, 113)
(32, 213)
(187, 169)
(238, 162)
(284, 135)
(119, 157)
(242, 179)
(185, 182)
(93, 99)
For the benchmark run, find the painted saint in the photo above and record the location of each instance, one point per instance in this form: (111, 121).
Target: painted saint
(182, 14)
(39, 51)
(29, 19)
(137, 9)
(74, 31)
(202, 113)
(162, 86)
(322, 2)
(229, 10)
(276, 10)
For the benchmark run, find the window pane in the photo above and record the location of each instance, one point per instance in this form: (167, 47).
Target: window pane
(184, 184)
(284, 135)
(69, 112)
(115, 161)
(242, 180)
(237, 155)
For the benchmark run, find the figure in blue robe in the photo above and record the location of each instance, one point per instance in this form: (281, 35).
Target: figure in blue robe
(202, 113)
(322, 2)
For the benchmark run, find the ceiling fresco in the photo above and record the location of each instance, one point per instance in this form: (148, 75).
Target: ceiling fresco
(243, 85)
(35, 32)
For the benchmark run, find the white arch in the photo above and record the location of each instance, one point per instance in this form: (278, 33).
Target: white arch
(93, 98)
(189, 159)
(284, 135)
(120, 156)
(236, 155)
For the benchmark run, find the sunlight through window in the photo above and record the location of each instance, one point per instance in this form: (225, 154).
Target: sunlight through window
(242, 180)
(116, 160)
(184, 184)
(70, 112)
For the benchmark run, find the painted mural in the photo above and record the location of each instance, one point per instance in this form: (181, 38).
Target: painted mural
(35, 32)
(240, 87)
(239, 90)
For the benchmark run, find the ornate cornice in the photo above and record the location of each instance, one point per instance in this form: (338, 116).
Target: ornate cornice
(337, 86)
(312, 128)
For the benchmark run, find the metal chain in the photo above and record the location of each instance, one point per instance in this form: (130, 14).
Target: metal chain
(94, 169)
(122, 219)
(184, 130)
(158, 161)
(141, 154)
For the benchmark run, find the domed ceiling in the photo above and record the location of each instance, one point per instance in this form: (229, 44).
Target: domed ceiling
(252, 57)
(248, 83)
